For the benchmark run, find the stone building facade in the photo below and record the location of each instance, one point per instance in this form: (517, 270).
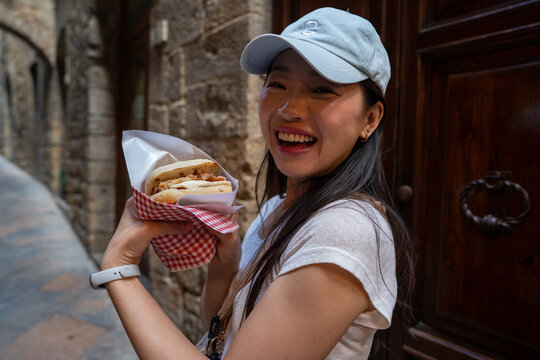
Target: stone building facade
(86, 52)
(30, 129)
(199, 93)
(196, 90)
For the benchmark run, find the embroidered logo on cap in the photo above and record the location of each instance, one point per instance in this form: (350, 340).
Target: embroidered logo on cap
(311, 27)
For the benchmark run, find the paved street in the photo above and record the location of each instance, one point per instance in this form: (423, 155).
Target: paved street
(47, 308)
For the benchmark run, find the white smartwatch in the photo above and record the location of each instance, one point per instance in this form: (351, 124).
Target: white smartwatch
(100, 278)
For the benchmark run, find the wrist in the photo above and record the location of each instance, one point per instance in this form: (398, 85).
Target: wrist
(109, 263)
(112, 258)
(100, 278)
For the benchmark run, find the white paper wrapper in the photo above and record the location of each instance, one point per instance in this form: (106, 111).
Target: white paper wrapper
(145, 150)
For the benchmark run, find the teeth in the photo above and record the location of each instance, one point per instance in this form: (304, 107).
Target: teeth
(294, 137)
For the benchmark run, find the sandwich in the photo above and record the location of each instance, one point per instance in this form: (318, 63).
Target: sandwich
(167, 184)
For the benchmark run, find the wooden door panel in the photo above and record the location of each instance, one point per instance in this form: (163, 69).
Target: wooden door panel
(482, 284)
(515, 23)
(446, 9)
(478, 111)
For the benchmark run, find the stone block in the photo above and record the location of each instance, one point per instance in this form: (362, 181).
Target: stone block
(260, 19)
(191, 280)
(158, 120)
(101, 171)
(218, 54)
(101, 147)
(217, 110)
(97, 242)
(54, 135)
(219, 12)
(175, 75)
(74, 171)
(98, 77)
(157, 269)
(255, 149)
(192, 327)
(100, 197)
(253, 93)
(100, 101)
(159, 77)
(169, 295)
(184, 18)
(81, 218)
(76, 146)
(228, 152)
(177, 121)
(192, 303)
(101, 222)
(75, 128)
(75, 199)
(101, 124)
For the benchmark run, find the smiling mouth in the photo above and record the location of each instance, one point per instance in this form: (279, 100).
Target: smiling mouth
(295, 140)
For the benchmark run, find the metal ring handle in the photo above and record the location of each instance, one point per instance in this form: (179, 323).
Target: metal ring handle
(495, 181)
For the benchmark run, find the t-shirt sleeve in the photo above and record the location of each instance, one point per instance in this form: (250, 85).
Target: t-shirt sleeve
(346, 235)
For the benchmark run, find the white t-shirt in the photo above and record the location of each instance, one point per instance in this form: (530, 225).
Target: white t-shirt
(344, 234)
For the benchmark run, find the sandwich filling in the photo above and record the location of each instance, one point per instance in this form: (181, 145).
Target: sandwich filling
(198, 183)
(191, 180)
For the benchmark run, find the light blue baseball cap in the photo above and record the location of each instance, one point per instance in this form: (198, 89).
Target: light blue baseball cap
(342, 47)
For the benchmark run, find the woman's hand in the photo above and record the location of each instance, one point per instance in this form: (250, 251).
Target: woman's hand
(221, 271)
(229, 250)
(132, 237)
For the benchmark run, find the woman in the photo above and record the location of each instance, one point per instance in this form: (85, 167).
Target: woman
(315, 276)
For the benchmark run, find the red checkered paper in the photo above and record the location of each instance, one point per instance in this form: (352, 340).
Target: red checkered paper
(189, 250)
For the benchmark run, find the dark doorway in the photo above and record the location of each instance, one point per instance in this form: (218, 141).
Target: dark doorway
(133, 59)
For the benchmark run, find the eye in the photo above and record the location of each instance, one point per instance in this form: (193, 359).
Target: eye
(275, 84)
(324, 90)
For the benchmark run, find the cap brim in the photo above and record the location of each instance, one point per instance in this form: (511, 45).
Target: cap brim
(259, 54)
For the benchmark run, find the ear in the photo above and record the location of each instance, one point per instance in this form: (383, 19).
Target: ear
(372, 118)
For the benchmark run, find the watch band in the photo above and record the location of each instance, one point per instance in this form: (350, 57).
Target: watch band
(100, 278)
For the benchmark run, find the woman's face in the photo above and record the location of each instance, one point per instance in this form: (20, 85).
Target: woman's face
(310, 124)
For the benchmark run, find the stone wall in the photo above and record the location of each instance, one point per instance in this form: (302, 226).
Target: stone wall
(34, 21)
(199, 93)
(29, 121)
(89, 47)
(17, 102)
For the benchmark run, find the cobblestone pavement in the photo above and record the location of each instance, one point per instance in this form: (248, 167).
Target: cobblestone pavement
(47, 308)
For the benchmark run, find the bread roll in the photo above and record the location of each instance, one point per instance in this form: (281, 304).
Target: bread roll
(169, 183)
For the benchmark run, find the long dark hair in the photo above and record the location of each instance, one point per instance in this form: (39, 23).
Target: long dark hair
(361, 175)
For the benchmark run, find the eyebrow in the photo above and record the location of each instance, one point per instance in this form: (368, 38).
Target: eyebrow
(287, 69)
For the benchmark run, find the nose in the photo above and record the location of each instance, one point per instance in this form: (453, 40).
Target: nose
(294, 109)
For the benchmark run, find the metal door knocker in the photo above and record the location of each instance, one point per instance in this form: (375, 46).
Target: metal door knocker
(495, 181)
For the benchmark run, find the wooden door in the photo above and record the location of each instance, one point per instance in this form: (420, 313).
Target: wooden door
(463, 118)
(471, 103)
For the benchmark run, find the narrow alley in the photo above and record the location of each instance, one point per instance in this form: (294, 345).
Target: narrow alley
(47, 308)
